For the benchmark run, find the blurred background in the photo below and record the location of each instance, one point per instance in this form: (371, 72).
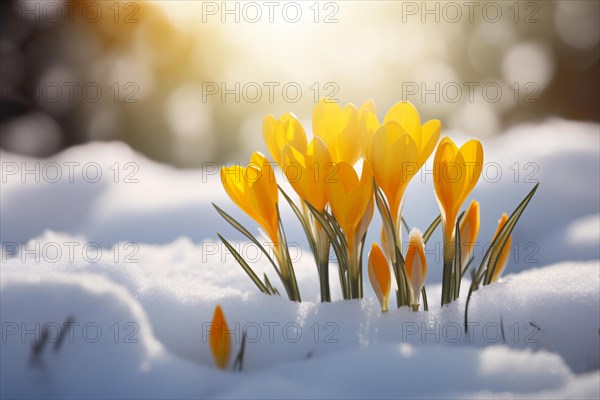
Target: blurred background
(188, 82)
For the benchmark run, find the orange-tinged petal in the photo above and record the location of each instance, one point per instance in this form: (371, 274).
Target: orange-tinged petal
(379, 276)
(220, 339)
(469, 229)
(500, 256)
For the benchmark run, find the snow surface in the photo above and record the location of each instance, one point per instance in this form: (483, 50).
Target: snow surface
(142, 307)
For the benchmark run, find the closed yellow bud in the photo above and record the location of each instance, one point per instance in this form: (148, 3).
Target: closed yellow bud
(498, 255)
(220, 339)
(469, 229)
(416, 264)
(254, 190)
(379, 276)
(455, 173)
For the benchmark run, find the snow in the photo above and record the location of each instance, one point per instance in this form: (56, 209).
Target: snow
(142, 306)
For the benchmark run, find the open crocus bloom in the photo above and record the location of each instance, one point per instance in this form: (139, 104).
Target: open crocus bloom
(309, 171)
(455, 173)
(379, 276)
(351, 201)
(394, 158)
(406, 115)
(278, 133)
(469, 229)
(416, 265)
(350, 197)
(220, 339)
(339, 128)
(499, 255)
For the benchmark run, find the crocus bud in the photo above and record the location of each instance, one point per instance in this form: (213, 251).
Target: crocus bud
(220, 339)
(499, 256)
(416, 265)
(469, 229)
(379, 276)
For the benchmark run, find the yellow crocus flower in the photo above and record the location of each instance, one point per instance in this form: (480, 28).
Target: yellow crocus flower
(339, 128)
(425, 136)
(406, 115)
(309, 171)
(220, 339)
(469, 229)
(278, 133)
(351, 201)
(379, 276)
(416, 266)
(254, 190)
(394, 159)
(351, 198)
(368, 125)
(455, 173)
(500, 256)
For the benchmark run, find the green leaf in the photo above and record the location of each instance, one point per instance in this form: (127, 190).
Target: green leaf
(244, 265)
(405, 224)
(294, 293)
(300, 216)
(432, 228)
(505, 233)
(270, 287)
(340, 252)
(245, 232)
(402, 297)
(457, 270)
(424, 295)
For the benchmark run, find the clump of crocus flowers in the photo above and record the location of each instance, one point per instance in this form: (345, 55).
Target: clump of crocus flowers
(353, 164)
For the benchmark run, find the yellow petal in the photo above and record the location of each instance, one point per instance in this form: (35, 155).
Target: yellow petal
(254, 190)
(339, 129)
(394, 158)
(308, 173)
(406, 115)
(220, 339)
(472, 154)
(369, 106)
(379, 276)
(447, 181)
(278, 133)
(233, 179)
(368, 126)
(349, 197)
(430, 134)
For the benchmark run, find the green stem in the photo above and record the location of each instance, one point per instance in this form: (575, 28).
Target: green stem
(447, 282)
(324, 280)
